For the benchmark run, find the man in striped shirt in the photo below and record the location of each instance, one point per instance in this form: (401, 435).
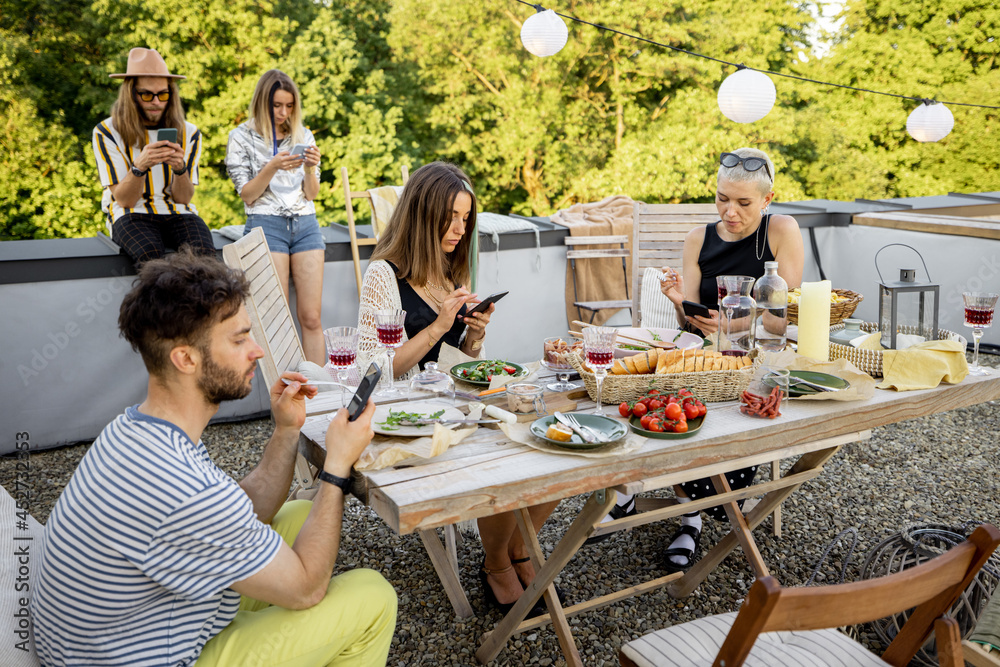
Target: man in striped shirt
(154, 556)
(147, 156)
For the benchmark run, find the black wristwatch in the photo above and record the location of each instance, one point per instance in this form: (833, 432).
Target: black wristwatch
(138, 173)
(344, 483)
(181, 172)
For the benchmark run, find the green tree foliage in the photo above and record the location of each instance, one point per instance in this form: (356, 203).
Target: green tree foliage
(392, 82)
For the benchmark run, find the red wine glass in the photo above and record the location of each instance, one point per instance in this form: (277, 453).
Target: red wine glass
(389, 329)
(978, 316)
(342, 350)
(599, 348)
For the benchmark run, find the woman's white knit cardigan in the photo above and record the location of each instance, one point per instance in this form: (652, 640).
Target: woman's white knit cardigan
(379, 291)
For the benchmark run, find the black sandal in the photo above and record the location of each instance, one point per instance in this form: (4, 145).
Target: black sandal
(491, 597)
(689, 554)
(617, 512)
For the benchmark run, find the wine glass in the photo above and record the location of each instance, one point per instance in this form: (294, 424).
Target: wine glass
(599, 346)
(389, 328)
(341, 346)
(978, 316)
(554, 354)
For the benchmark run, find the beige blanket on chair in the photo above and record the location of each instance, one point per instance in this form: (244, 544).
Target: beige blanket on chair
(597, 279)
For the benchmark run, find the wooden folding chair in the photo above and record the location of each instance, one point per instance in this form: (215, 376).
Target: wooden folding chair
(271, 325)
(355, 241)
(582, 248)
(758, 632)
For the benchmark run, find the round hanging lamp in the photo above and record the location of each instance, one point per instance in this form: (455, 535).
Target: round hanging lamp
(746, 95)
(931, 121)
(545, 33)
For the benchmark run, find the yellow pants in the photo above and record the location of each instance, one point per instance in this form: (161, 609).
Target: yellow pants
(351, 627)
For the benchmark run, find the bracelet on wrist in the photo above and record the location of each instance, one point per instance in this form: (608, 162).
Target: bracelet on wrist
(181, 172)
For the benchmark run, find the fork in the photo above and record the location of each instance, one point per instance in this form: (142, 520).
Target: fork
(580, 427)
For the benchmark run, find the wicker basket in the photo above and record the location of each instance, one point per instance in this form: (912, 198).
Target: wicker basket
(870, 361)
(838, 311)
(709, 386)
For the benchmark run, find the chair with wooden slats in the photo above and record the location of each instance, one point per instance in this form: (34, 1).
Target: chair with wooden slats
(658, 232)
(796, 626)
(356, 242)
(583, 248)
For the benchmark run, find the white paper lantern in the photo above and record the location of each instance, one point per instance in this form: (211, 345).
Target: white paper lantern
(746, 96)
(930, 122)
(544, 34)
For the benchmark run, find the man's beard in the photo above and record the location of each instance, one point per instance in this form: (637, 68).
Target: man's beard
(145, 116)
(218, 384)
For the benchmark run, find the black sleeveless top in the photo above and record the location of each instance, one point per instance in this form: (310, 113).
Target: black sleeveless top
(419, 316)
(725, 258)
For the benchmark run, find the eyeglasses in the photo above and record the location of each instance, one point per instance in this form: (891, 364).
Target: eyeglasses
(749, 163)
(146, 96)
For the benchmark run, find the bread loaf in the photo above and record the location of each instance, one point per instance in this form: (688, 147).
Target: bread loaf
(663, 362)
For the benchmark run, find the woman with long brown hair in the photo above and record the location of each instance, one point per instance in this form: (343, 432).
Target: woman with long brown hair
(278, 184)
(421, 265)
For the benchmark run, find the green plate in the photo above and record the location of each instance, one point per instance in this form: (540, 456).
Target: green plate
(456, 371)
(824, 379)
(694, 425)
(611, 430)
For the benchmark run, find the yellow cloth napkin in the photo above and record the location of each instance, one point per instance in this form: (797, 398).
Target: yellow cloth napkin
(924, 366)
(872, 342)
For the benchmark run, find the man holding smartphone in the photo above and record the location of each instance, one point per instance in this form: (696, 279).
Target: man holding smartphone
(153, 555)
(148, 179)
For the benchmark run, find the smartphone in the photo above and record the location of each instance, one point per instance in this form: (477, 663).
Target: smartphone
(692, 309)
(167, 134)
(364, 392)
(485, 303)
(299, 149)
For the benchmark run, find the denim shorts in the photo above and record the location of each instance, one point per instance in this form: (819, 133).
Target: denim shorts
(288, 235)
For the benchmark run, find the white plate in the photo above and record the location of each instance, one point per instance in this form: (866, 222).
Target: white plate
(426, 408)
(688, 341)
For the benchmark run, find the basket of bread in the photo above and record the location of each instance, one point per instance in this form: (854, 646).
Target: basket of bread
(711, 375)
(842, 304)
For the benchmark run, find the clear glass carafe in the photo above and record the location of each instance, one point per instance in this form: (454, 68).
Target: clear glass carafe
(736, 314)
(770, 294)
(432, 385)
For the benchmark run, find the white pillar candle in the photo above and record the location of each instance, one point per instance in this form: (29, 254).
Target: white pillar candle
(814, 321)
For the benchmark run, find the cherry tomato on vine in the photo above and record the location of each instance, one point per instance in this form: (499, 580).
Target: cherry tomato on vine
(655, 404)
(656, 426)
(690, 410)
(681, 427)
(639, 409)
(674, 411)
(644, 421)
(625, 410)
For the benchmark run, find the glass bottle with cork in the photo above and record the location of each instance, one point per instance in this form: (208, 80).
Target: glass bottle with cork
(771, 322)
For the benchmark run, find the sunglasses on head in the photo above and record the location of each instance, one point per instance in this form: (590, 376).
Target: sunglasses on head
(147, 96)
(749, 163)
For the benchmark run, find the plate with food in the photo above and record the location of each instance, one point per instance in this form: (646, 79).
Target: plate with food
(481, 372)
(800, 388)
(551, 431)
(557, 352)
(391, 419)
(665, 415)
(633, 339)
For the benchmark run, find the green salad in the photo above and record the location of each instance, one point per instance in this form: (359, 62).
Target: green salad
(485, 370)
(392, 421)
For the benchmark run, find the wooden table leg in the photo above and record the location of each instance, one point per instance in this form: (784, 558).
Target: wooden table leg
(446, 573)
(693, 578)
(776, 514)
(599, 504)
(739, 524)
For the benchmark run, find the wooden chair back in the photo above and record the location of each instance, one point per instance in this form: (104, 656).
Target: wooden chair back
(349, 196)
(929, 589)
(658, 232)
(270, 317)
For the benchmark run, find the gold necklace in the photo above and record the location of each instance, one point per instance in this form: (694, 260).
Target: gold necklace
(439, 288)
(430, 295)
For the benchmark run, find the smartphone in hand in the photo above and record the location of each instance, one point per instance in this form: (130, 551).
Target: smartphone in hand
(692, 309)
(485, 303)
(364, 392)
(299, 150)
(167, 134)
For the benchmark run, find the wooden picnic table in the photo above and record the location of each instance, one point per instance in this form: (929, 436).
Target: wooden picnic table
(487, 474)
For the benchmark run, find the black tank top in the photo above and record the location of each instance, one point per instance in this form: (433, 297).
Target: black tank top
(419, 316)
(736, 258)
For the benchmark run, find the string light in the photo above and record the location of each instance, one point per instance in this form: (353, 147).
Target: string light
(544, 34)
(930, 119)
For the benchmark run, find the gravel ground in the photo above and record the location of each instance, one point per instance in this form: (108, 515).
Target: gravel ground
(934, 469)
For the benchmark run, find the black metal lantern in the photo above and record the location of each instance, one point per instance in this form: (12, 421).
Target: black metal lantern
(907, 304)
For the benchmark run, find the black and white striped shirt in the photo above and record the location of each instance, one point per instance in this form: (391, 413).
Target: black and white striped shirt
(140, 551)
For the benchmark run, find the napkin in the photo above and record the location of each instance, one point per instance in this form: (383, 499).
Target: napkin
(383, 452)
(521, 433)
(317, 373)
(924, 366)
(862, 385)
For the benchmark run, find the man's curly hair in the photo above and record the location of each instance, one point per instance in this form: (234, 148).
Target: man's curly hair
(176, 301)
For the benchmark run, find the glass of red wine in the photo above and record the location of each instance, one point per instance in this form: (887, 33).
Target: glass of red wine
(979, 308)
(389, 328)
(599, 348)
(342, 350)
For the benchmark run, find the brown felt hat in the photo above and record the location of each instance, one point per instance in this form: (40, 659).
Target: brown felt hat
(146, 62)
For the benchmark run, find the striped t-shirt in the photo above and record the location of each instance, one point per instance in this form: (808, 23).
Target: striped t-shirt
(140, 551)
(115, 159)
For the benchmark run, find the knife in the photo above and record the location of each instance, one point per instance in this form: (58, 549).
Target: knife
(587, 437)
(422, 422)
